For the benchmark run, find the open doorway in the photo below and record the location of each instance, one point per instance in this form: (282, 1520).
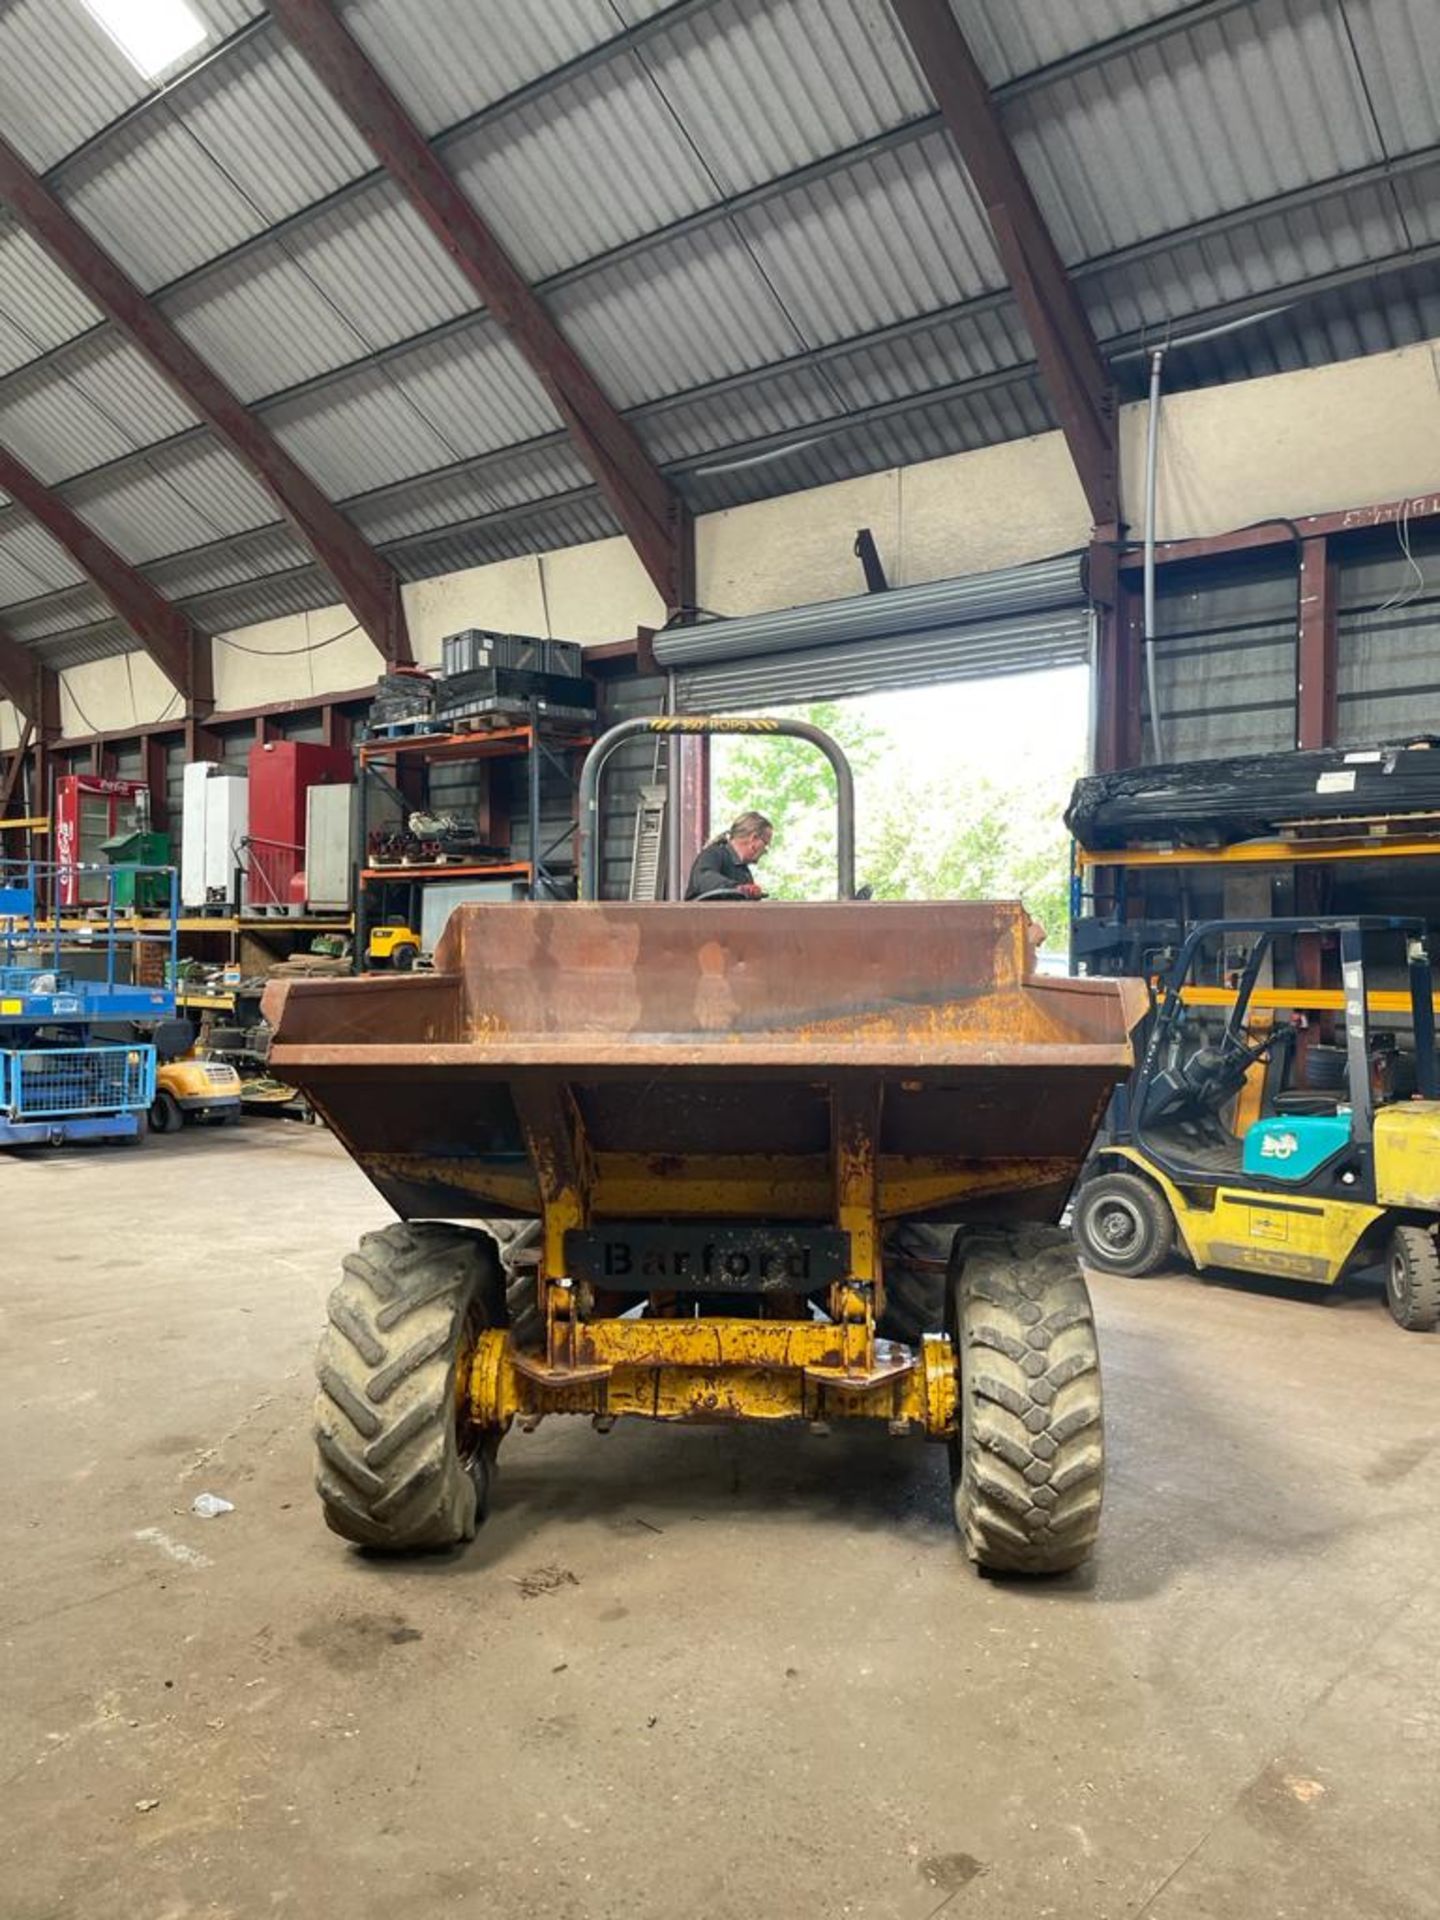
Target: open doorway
(961, 791)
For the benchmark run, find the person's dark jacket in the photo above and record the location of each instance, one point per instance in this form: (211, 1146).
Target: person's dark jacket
(717, 870)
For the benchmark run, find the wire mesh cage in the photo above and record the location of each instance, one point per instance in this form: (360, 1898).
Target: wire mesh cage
(47, 1083)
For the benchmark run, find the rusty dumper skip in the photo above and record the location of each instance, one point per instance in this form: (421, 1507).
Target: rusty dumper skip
(719, 1116)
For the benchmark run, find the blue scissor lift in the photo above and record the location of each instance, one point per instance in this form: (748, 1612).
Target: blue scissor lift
(70, 977)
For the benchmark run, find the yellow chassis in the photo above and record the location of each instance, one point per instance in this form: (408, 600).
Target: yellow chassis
(1299, 1237)
(718, 1370)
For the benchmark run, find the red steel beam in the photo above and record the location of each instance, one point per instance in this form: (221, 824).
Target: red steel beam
(1072, 367)
(19, 677)
(1283, 532)
(1318, 648)
(175, 646)
(652, 515)
(367, 583)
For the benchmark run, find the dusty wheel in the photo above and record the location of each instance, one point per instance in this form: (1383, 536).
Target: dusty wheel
(400, 1466)
(1028, 1464)
(917, 1267)
(165, 1114)
(403, 956)
(1123, 1224)
(1412, 1279)
(520, 1261)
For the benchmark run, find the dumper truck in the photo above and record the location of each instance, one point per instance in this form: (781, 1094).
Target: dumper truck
(711, 1119)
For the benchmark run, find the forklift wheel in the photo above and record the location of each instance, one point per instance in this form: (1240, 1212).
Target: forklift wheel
(1123, 1225)
(165, 1114)
(403, 957)
(1412, 1279)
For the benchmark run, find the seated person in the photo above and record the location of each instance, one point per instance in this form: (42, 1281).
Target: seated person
(724, 865)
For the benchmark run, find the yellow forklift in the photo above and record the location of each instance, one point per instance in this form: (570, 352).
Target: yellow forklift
(1222, 1150)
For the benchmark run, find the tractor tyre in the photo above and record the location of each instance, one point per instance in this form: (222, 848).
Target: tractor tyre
(1123, 1224)
(1412, 1279)
(520, 1242)
(1028, 1461)
(917, 1269)
(400, 1465)
(165, 1114)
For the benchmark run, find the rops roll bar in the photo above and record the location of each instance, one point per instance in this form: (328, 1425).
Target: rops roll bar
(589, 823)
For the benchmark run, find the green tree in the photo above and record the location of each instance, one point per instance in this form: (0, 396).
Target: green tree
(922, 834)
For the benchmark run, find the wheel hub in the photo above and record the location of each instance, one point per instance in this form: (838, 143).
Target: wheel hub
(1117, 1227)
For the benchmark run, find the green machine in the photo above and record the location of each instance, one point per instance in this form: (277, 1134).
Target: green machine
(139, 892)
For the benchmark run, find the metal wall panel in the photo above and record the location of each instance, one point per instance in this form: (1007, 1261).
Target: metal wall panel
(1388, 642)
(629, 768)
(1225, 659)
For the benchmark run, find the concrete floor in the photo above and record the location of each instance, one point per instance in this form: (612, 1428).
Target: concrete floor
(708, 1673)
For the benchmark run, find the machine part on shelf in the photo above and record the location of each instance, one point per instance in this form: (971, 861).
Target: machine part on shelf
(1301, 1184)
(709, 1123)
(1215, 803)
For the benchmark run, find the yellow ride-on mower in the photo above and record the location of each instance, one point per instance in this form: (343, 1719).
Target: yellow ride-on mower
(705, 1119)
(1250, 1163)
(192, 1089)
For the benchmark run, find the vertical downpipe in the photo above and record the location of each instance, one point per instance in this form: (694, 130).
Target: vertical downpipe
(1152, 462)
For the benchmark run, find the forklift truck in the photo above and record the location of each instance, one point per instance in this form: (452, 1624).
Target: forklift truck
(1222, 1150)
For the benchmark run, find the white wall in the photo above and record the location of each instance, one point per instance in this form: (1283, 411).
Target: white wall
(1364, 431)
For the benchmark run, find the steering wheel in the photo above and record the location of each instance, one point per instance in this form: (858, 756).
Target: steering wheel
(1213, 1075)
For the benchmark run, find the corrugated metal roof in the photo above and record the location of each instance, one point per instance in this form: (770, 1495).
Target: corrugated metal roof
(156, 201)
(563, 523)
(378, 264)
(448, 58)
(775, 402)
(55, 427)
(690, 310)
(59, 613)
(41, 41)
(1398, 44)
(299, 592)
(101, 641)
(359, 432)
(887, 237)
(1008, 40)
(1254, 257)
(446, 499)
(177, 497)
(271, 127)
(567, 177)
(475, 389)
(41, 305)
(1262, 99)
(251, 557)
(761, 87)
(263, 324)
(31, 563)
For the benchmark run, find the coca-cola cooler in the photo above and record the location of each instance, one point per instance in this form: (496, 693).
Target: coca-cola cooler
(90, 809)
(282, 773)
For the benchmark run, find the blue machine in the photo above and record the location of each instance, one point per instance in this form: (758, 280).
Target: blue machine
(72, 998)
(1292, 1146)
